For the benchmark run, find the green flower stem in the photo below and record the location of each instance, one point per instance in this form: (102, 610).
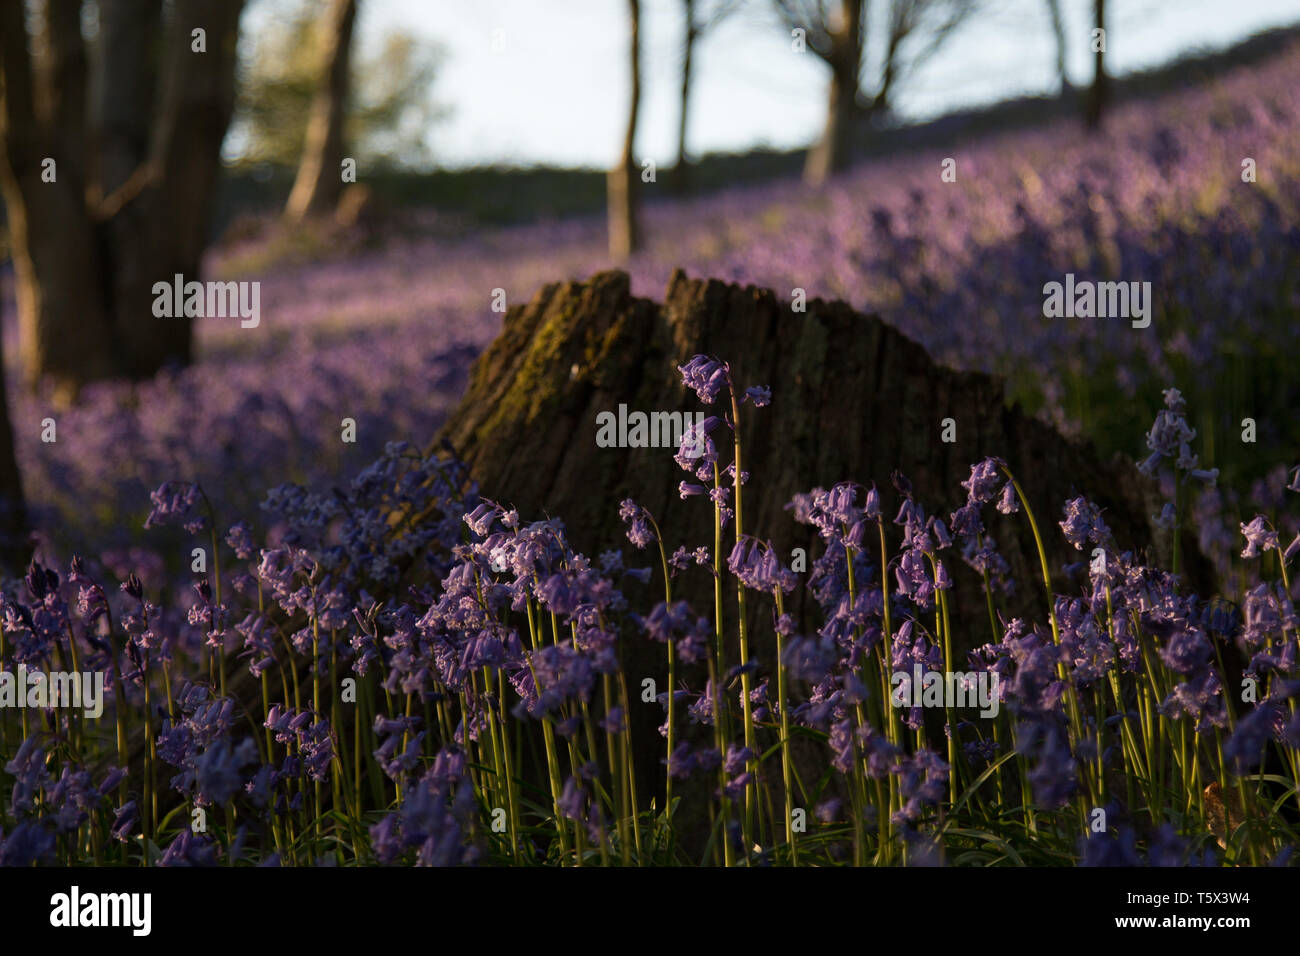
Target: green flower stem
(510, 773)
(718, 668)
(786, 764)
(720, 743)
(149, 805)
(548, 737)
(862, 722)
(672, 674)
(612, 741)
(893, 732)
(746, 706)
(717, 597)
(631, 769)
(315, 705)
(949, 715)
(1076, 721)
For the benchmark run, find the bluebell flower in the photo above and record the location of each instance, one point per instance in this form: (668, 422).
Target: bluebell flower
(705, 376)
(174, 503)
(27, 843)
(125, 818)
(981, 485)
(1260, 537)
(217, 770)
(639, 530)
(190, 849)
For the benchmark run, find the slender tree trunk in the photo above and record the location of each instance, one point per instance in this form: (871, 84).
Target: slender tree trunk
(624, 232)
(318, 186)
(1100, 94)
(1058, 31)
(679, 170)
(831, 152)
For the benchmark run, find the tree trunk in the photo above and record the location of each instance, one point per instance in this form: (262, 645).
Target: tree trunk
(852, 399)
(1100, 93)
(15, 543)
(319, 183)
(175, 216)
(61, 319)
(135, 211)
(831, 153)
(624, 231)
(1058, 31)
(680, 172)
(62, 88)
(124, 64)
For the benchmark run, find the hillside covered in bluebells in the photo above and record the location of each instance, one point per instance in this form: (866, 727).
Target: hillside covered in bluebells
(322, 641)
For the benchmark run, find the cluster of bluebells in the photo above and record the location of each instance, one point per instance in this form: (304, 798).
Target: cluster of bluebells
(305, 600)
(387, 653)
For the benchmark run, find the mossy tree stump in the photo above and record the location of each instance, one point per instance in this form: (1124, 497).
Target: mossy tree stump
(852, 399)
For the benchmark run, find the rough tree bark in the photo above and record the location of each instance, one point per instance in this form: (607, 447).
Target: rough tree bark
(845, 61)
(624, 225)
(137, 156)
(62, 321)
(318, 185)
(852, 399)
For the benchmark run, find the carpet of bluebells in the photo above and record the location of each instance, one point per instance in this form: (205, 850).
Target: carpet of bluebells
(320, 703)
(389, 669)
(959, 266)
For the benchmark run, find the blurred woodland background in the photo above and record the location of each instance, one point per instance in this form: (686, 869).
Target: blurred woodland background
(260, 141)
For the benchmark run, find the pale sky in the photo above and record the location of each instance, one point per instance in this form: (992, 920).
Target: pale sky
(545, 81)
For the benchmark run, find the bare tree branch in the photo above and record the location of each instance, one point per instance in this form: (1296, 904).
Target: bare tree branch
(814, 18)
(907, 18)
